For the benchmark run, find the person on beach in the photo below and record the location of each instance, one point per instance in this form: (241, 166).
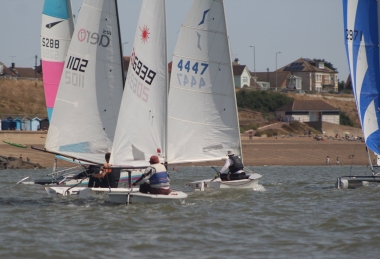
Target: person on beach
(159, 180)
(109, 177)
(327, 160)
(235, 168)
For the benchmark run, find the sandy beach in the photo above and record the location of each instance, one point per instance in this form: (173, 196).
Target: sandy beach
(290, 151)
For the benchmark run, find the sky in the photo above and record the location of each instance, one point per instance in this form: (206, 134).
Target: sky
(296, 28)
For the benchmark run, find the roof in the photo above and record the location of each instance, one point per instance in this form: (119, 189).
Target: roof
(238, 69)
(27, 72)
(307, 105)
(305, 65)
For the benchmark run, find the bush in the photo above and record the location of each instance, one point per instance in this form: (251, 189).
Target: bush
(262, 101)
(344, 119)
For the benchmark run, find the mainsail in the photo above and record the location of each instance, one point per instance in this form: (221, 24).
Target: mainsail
(141, 125)
(56, 30)
(89, 95)
(361, 27)
(203, 123)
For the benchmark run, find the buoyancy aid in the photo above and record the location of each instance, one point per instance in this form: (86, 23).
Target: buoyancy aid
(112, 177)
(160, 178)
(237, 165)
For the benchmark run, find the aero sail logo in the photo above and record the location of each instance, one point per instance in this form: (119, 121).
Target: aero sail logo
(95, 38)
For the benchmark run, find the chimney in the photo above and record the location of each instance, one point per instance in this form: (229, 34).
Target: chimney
(13, 65)
(236, 61)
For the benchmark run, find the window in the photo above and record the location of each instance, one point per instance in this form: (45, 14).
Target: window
(245, 79)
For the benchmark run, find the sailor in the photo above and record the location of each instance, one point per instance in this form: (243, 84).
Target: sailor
(235, 168)
(110, 177)
(155, 179)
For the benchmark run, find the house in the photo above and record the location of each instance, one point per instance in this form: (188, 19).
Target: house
(308, 111)
(18, 123)
(242, 76)
(19, 72)
(302, 74)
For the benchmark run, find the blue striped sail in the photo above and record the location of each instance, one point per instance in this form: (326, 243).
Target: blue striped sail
(361, 32)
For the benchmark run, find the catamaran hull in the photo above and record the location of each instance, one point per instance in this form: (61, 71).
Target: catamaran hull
(215, 184)
(354, 182)
(138, 197)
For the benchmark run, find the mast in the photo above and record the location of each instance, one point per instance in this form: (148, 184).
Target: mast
(233, 84)
(121, 48)
(167, 87)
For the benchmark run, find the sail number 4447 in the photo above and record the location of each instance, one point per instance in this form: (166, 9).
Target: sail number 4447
(195, 68)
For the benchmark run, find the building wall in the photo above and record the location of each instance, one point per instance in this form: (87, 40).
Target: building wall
(239, 80)
(331, 118)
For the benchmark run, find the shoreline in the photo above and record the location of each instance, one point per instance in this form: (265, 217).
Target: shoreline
(259, 151)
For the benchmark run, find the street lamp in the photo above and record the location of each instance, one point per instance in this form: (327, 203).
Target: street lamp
(254, 61)
(276, 68)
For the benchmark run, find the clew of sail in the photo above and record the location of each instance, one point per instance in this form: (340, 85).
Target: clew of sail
(89, 95)
(140, 130)
(56, 30)
(203, 123)
(361, 25)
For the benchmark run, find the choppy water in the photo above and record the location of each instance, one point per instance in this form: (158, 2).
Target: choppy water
(299, 215)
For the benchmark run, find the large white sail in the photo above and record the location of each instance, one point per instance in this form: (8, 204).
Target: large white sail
(203, 123)
(56, 30)
(361, 24)
(89, 95)
(140, 131)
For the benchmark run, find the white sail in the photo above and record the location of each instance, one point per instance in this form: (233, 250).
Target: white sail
(56, 30)
(203, 123)
(140, 131)
(90, 90)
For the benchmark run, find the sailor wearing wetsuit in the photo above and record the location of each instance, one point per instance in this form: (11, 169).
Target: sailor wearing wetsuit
(235, 168)
(155, 179)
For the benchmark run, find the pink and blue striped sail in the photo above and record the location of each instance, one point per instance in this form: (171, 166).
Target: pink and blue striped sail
(361, 31)
(56, 30)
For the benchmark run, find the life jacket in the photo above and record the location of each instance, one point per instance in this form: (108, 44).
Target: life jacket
(112, 177)
(237, 165)
(160, 178)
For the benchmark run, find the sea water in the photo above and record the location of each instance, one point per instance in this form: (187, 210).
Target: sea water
(297, 214)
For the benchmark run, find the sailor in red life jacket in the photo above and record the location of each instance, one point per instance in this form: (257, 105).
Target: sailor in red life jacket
(235, 166)
(159, 181)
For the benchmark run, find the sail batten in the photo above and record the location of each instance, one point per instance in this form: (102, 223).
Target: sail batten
(89, 96)
(362, 48)
(203, 123)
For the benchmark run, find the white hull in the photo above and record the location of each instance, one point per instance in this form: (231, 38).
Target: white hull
(85, 192)
(138, 197)
(215, 184)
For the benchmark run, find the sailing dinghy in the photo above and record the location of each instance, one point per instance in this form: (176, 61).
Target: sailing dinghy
(90, 91)
(203, 118)
(142, 123)
(361, 25)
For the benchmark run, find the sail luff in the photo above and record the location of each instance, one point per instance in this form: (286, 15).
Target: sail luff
(120, 44)
(233, 85)
(167, 90)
